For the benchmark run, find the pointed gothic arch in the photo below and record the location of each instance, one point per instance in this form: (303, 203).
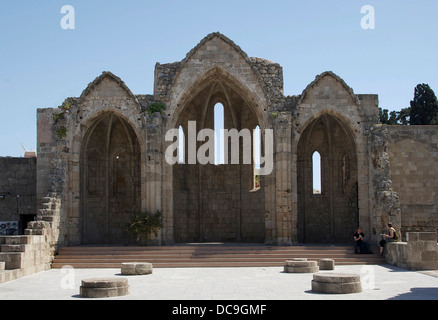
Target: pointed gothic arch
(333, 214)
(213, 201)
(110, 180)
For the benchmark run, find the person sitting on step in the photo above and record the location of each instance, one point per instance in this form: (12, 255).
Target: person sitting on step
(360, 245)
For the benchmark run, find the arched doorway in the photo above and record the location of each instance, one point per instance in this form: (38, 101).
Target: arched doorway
(328, 211)
(110, 180)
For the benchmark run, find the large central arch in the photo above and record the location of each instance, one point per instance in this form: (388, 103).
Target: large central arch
(217, 203)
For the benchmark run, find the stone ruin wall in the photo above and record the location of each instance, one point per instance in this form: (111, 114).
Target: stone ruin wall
(413, 156)
(58, 158)
(59, 169)
(396, 172)
(17, 193)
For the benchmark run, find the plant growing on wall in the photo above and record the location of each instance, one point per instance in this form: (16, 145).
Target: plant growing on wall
(155, 107)
(143, 224)
(274, 115)
(67, 104)
(58, 116)
(61, 132)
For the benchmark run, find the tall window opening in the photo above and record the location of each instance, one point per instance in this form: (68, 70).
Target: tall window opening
(316, 172)
(181, 146)
(256, 142)
(219, 126)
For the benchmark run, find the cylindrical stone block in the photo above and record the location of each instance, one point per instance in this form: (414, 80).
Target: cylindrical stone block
(298, 259)
(104, 287)
(136, 268)
(326, 264)
(291, 263)
(336, 283)
(301, 266)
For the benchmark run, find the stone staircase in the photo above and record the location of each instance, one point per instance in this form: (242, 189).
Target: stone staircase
(204, 255)
(22, 256)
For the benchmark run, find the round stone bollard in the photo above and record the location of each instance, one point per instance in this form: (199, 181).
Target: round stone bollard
(104, 287)
(136, 268)
(326, 264)
(301, 265)
(336, 283)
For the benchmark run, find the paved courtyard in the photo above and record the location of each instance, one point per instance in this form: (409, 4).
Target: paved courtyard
(380, 282)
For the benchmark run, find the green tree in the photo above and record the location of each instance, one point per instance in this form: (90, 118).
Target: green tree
(386, 117)
(424, 107)
(403, 116)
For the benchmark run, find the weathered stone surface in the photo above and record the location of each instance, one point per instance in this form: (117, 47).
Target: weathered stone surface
(298, 263)
(136, 268)
(413, 155)
(336, 283)
(420, 252)
(326, 264)
(84, 194)
(220, 201)
(300, 266)
(104, 287)
(18, 178)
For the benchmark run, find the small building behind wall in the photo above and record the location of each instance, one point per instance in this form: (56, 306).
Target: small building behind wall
(17, 194)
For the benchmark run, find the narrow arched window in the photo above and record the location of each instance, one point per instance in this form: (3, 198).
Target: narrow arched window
(256, 157)
(316, 173)
(181, 146)
(219, 126)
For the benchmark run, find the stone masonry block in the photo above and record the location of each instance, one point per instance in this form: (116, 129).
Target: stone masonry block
(336, 283)
(15, 248)
(15, 240)
(326, 264)
(428, 236)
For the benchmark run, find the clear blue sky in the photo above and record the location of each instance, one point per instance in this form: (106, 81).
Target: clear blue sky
(41, 64)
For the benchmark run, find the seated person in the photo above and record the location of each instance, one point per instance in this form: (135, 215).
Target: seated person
(360, 245)
(392, 236)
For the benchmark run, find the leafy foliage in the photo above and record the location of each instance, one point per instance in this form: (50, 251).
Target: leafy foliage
(423, 110)
(394, 117)
(144, 223)
(424, 107)
(155, 107)
(61, 132)
(58, 116)
(67, 104)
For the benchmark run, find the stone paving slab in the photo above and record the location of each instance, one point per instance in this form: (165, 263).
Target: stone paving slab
(380, 282)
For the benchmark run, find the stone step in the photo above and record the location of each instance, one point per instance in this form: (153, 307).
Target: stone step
(278, 260)
(179, 264)
(214, 256)
(47, 218)
(203, 250)
(14, 248)
(16, 240)
(205, 256)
